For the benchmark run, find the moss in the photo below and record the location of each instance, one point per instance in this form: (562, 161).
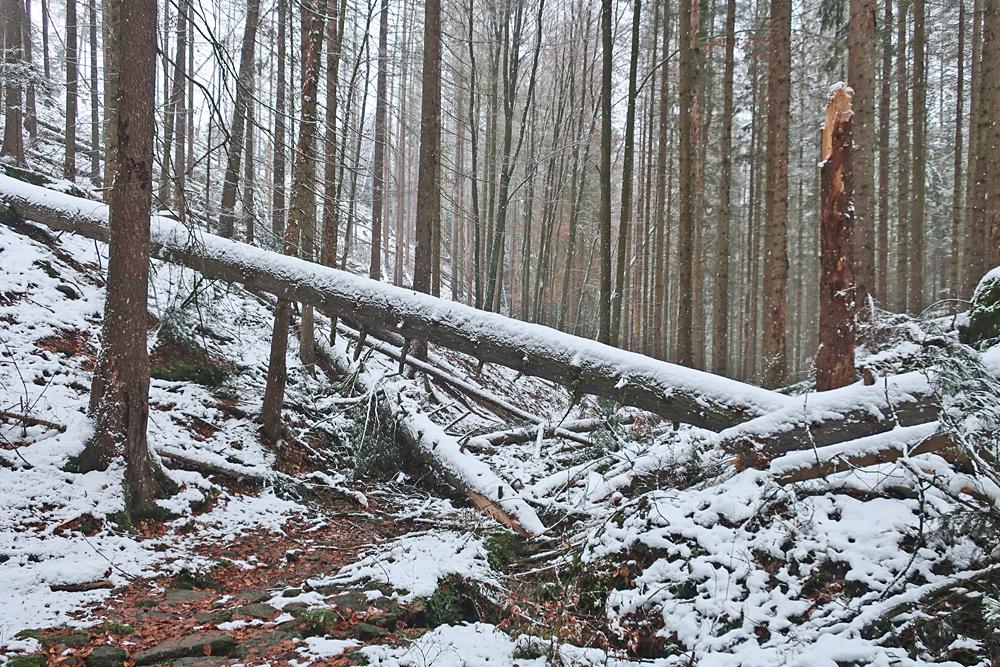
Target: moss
(444, 607)
(984, 315)
(26, 175)
(502, 548)
(189, 579)
(35, 660)
(179, 356)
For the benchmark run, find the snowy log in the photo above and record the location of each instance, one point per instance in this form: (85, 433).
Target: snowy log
(585, 366)
(831, 417)
(860, 453)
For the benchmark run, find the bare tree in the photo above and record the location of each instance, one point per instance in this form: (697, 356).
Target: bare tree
(378, 166)
(13, 133)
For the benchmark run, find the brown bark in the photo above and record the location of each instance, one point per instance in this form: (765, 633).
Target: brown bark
(429, 174)
(955, 274)
(915, 261)
(661, 231)
(95, 117)
(990, 127)
(776, 202)
(378, 165)
(604, 215)
(974, 251)
(119, 399)
(882, 289)
(861, 77)
(845, 463)
(13, 133)
(69, 165)
(685, 230)
(835, 358)
(720, 317)
(227, 214)
(902, 160)
(303, 184)
(278, 159)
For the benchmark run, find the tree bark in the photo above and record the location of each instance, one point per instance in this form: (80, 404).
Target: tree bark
(686, 176)
(776, 203)
(378, 165)
(835, 358)
(278, 159)
(915, 262)
(625, 219)
(13, 132)
(884, 110)
(227, 215)
(429, 174)
(902, 161)
(95, 116)
(954, 269)
(990, 126)
(69, 165)
(720, 318)
(119, 399)
(303, 185)
(861, 77)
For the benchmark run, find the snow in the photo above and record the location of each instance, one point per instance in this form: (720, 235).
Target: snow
(319, 648)
(416, 563)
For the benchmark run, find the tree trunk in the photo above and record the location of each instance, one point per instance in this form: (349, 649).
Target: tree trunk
(278, 159)
(429, 174)
(990, 124)
(884, 109)
(661, 337)
(180, 106)
(378, 166)
(227, 214)
(902, 160)
(861, 77)
(955, 275)
(119, 399)
(915, 294)
(13, 133)
(686, 177)
(69, 165)
(95, 117)
(974, 255)
(835, 358)
(628, 160)
(31, 110)
(776, 202)
(585, 366)
(303, 186)
(720, 318)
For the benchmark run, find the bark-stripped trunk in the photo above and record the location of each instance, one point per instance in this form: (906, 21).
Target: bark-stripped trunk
(119, 399)
(835, 358)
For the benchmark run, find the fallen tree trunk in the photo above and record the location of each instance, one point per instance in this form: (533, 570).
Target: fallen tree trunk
(587, 367)
(861, 453)
(442, 453)
(831, 417)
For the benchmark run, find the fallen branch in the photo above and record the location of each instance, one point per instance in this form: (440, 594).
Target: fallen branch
(428, 442)
(80, 588)
(28, 420)
(587, 367)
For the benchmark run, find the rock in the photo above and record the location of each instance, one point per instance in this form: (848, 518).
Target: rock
(72, 640)
(202, 661)
(106, 656)
(185, 595)
(214, 617)
(416, 612)
(984, 315)
(193, 646)
(261, 644)
(350, 600)
(296, 608)
(291, 592)
(255, 595)
(367, 631)
(264, 612)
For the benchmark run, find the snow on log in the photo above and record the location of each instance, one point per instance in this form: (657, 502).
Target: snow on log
(863, 452)
(835, 416)
(587, 367)
(442, 452)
